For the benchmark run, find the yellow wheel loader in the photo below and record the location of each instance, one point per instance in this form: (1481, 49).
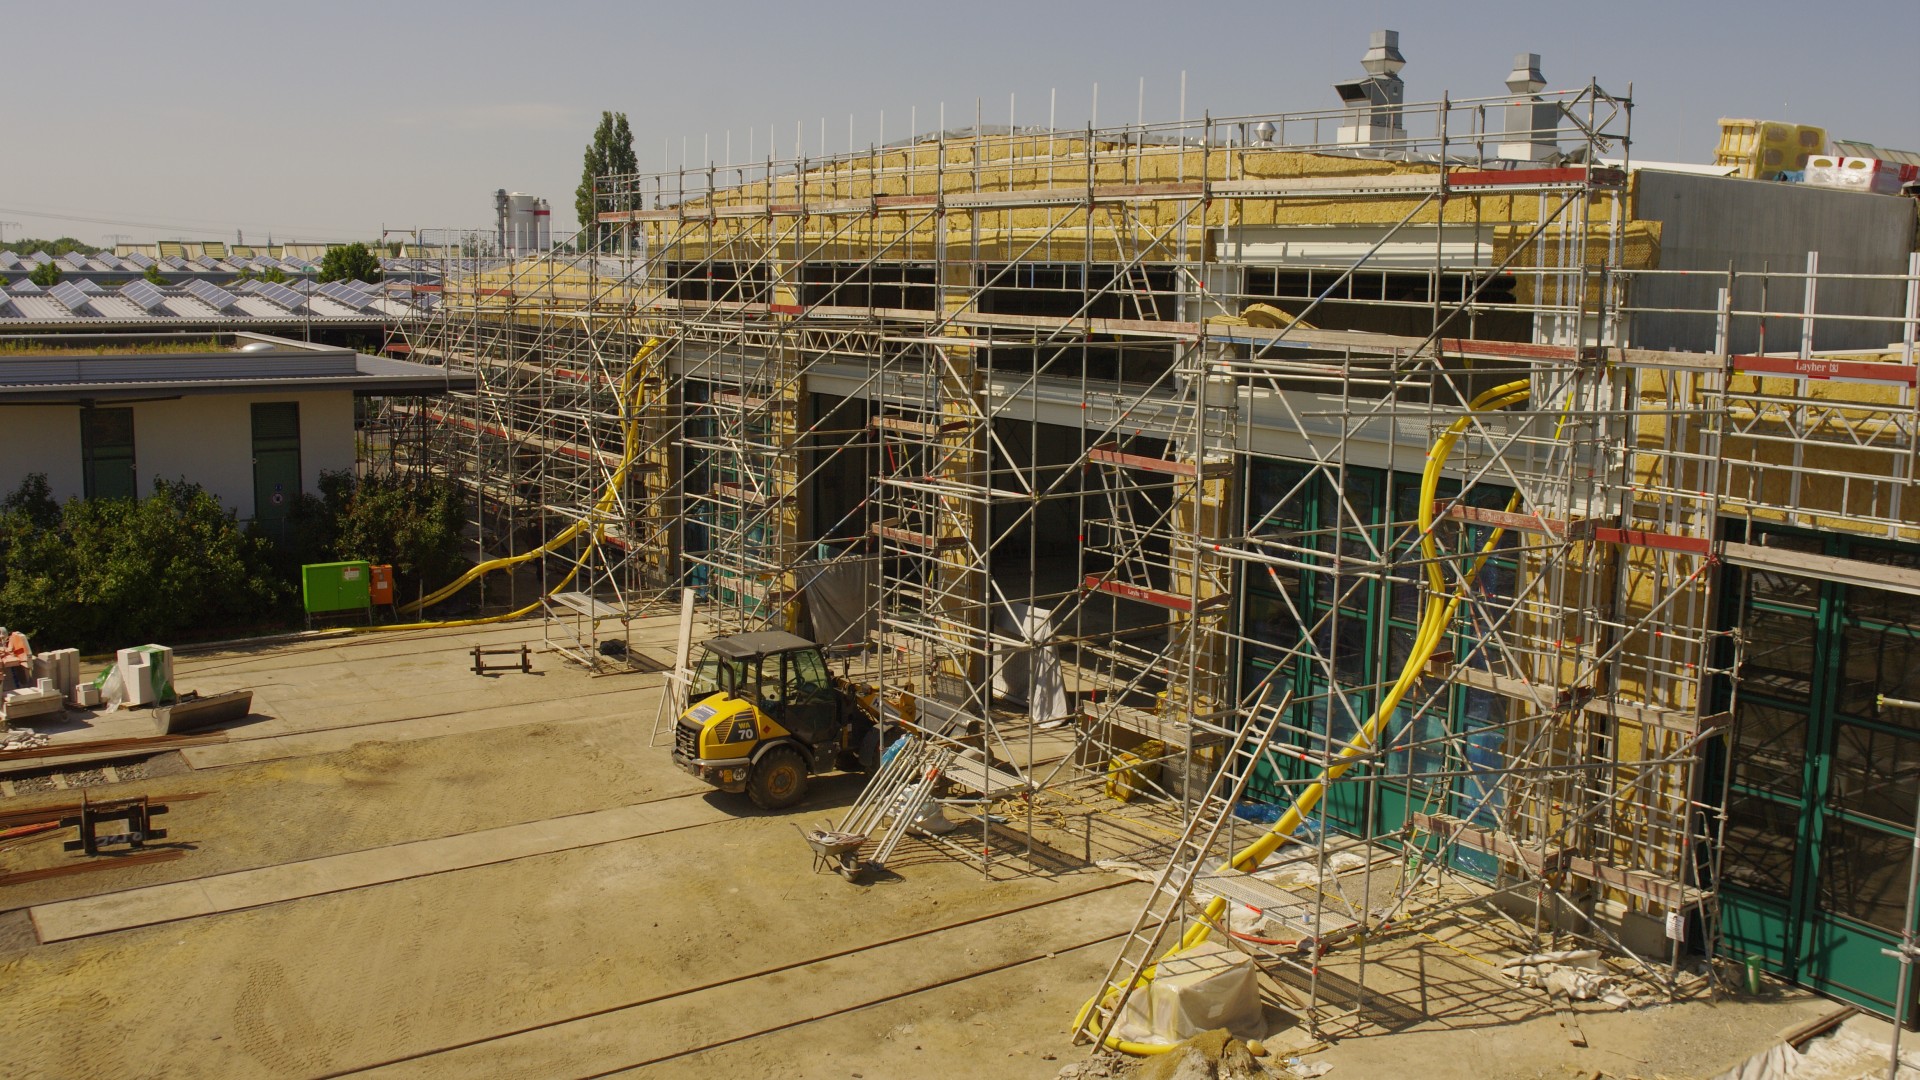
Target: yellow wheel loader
(764, 714)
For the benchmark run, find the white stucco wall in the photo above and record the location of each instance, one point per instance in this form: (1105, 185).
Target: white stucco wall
(44, 439)
(208, 440)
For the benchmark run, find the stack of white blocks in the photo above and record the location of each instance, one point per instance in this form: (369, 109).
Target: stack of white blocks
(60, 665)
(145, 672)
(40, 700)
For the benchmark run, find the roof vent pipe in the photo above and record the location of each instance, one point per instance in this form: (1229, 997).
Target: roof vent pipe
(1374, 102)
(1531, 123)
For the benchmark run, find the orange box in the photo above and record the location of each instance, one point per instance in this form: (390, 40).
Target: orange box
(380, 584)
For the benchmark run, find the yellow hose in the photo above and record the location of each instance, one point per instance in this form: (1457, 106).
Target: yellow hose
(630, 387)
(1442, 603)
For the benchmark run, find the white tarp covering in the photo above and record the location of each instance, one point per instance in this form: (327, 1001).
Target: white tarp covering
(1028, 675)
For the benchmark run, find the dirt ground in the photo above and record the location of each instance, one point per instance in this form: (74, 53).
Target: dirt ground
(711, 950)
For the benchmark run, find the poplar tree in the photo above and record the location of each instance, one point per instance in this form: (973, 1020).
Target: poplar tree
(610, 152)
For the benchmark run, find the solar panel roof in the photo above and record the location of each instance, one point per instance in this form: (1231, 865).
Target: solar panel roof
(215, 296)
(71, 295)
(144, 294)
(281, 295)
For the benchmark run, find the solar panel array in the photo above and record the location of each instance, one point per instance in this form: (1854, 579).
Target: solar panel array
(86, 285)
(144, 294)
(280, 294)
(347, 294)
(215, 296)
(69, 294)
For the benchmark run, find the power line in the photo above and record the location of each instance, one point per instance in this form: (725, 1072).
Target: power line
(182, 225)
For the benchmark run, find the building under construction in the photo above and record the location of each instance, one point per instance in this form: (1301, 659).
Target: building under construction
(1537, 518)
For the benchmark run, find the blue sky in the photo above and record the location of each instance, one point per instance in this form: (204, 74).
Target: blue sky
(328, 121)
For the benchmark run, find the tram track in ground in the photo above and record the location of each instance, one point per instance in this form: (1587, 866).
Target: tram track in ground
(490, 1047)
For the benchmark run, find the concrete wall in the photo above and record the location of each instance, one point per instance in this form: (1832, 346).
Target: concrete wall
(208, 440)
(1709, 222)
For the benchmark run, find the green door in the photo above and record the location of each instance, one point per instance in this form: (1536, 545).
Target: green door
(276, 463)
(106, 453)
(1824, 777)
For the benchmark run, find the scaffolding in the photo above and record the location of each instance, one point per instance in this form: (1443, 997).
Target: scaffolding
(1053, 394)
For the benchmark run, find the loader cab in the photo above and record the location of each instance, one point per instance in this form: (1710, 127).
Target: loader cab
(783, 675)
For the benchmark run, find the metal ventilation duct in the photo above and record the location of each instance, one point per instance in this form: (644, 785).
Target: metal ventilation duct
(1375, 100)
(1530, 124)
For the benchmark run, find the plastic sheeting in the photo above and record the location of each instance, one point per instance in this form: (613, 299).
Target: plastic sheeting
(1028, 675)
(841, 598)
(1208, 986)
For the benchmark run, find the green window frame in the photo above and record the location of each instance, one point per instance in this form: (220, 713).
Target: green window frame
(1463, 731)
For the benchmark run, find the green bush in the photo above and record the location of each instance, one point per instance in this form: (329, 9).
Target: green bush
(46, 275)
(108, 573)
(411, 523)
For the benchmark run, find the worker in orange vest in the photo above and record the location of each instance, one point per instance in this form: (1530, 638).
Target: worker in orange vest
(17, 660)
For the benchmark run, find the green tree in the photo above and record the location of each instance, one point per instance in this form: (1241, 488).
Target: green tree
(271, 273)
(114, 572)
(152, 274)
(65, 245)
(609, 154)
(350, 262)
(46, 275)
(409, 522)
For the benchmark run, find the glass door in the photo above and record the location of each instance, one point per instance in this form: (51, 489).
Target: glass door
(1825, 772)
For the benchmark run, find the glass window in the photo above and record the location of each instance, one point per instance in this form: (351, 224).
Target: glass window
(106, 454)
(809, 672)
(1875, 774)
(1762, 836)
(1353, 512)
(1276, 498)
(767, 684)
(1271, 628)
(1876, 662)
(707, 677)
(1482, 797)
(1779, 654)
(1863, 873)
(1770, 748)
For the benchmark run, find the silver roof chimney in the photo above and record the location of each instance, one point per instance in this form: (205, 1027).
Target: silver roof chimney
(1374, 102)
(1530, 122)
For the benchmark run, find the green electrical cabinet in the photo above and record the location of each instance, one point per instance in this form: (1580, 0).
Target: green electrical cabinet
(337, 586)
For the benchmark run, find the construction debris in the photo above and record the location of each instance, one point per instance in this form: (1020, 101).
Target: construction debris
(21, 739)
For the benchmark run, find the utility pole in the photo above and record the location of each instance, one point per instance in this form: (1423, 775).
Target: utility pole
(3, 229)
(114, 239)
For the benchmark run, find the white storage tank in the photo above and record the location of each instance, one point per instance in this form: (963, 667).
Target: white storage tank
(542, 226)
(520, 227)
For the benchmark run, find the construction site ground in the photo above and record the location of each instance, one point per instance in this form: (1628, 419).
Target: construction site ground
(399, 868)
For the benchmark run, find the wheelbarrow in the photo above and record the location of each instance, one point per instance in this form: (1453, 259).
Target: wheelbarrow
(836, 851)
